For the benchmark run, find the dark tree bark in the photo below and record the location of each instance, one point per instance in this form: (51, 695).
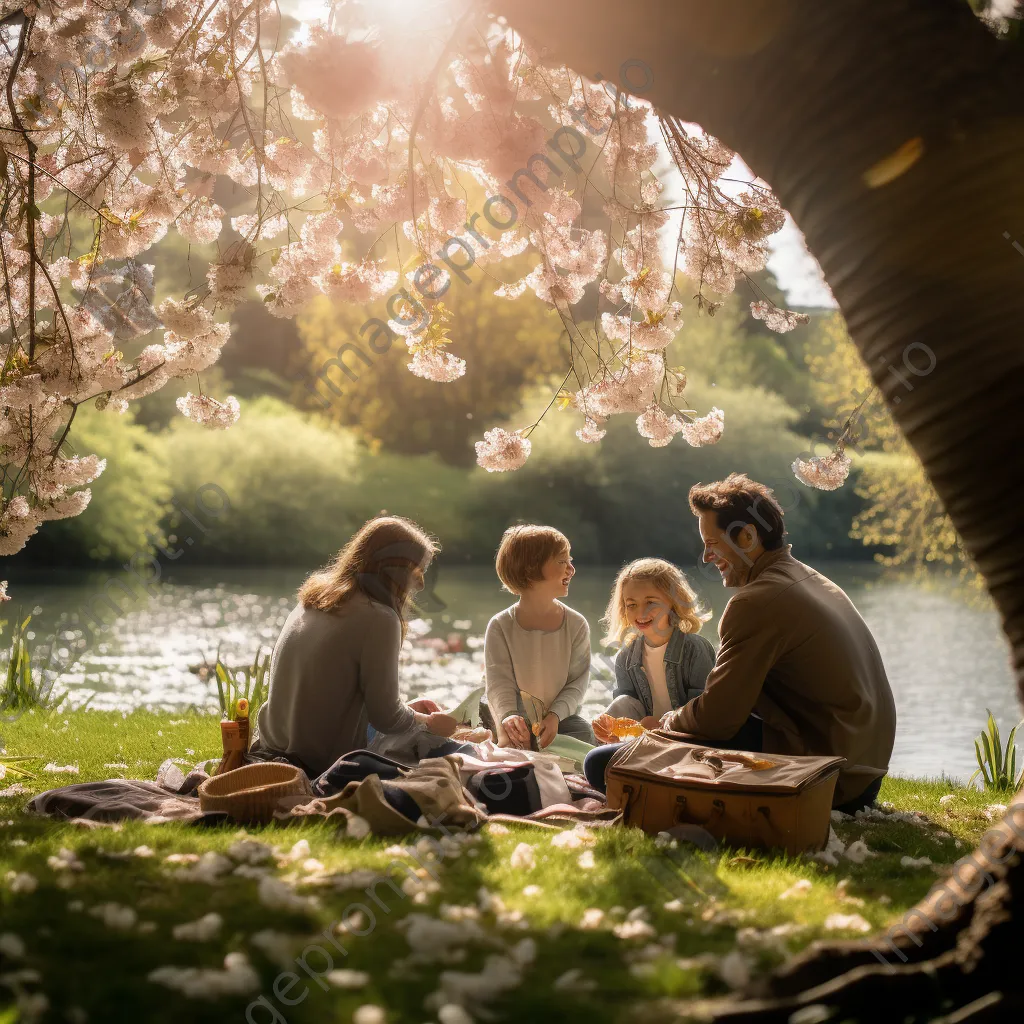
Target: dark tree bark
(813, 93)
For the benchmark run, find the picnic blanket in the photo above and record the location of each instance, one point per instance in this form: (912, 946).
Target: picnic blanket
(436, 785)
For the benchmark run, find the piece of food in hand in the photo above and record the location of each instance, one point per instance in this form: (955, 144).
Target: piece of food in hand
(535, 728)
(623, 728)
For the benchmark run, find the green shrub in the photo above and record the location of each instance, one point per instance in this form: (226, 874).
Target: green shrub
(129, 499)
(292, 484)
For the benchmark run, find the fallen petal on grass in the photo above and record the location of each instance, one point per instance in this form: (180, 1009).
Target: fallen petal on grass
(846, 922)
(858, 852)
(237, 978)
(202, 930)
(344, 978)
(522, 858)
(634, 930)
(114, 915)
(797, 889)
(369, 1014)
(21, 881)
(915, 862)
(734, 969)
(275, 894)
(574, 981)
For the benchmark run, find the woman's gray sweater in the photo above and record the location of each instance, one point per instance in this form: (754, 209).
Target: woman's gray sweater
(331, 673)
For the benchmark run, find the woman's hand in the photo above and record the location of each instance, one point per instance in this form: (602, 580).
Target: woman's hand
(548, 730)
(603, 727)
(517, 731)
(441, 724)
(425, 704)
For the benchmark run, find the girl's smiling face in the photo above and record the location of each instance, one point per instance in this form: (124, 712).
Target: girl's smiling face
(647, 611)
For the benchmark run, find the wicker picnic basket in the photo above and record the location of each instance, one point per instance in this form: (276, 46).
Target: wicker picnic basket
(253, 792)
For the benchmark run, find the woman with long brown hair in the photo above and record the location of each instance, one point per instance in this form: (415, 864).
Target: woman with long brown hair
(334, 669)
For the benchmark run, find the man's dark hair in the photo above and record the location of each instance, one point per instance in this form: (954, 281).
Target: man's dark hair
(737, 500)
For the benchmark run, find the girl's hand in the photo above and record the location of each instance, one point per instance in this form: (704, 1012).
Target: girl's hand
(441, 724)
(603, 729)
(650, 722)
(548, 730)
(517, 731)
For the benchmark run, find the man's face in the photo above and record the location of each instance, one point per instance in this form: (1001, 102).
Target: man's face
(732, 559)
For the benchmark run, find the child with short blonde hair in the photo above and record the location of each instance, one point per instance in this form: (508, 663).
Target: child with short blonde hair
(536, 652)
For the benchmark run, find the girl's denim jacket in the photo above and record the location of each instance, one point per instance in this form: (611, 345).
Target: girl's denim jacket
(689, 657)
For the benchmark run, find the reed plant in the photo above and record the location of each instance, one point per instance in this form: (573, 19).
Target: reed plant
(997, 762)
(25, 681)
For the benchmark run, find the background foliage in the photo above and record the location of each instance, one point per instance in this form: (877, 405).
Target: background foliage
(301, 477)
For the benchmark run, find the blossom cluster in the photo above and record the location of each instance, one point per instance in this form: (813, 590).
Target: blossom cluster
(144, 119)
(825, 472)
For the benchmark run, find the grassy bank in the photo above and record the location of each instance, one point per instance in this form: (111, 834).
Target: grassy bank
(607, 929)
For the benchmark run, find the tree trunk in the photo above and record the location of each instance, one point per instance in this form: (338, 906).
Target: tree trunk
(812, 95)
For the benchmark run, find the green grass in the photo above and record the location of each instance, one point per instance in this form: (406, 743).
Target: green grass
(81, 964)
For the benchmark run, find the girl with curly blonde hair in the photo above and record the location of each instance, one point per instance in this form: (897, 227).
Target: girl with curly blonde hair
(663, 661)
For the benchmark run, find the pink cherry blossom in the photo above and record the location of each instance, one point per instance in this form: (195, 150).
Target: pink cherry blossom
(656, 424)
(502, 450)
(825, 472)
(704, 429)
(208, 411)
(433, 364)
(780, 320)
(591, 432)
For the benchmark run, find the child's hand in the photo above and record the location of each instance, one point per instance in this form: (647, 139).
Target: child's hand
(517, 731)
(441, 724)
(548, 730)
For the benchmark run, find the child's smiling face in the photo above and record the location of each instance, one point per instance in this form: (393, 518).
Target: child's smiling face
(557, 573)
(647, 610)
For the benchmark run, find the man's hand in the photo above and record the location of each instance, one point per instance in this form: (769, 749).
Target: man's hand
(441, 724)
(548, 730)
(650, 722)
(602, 726)
(517, 731)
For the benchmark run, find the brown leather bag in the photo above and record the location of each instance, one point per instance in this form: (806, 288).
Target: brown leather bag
(742, 798)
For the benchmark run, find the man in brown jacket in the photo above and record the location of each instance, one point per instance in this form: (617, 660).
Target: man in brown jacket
(797, 663)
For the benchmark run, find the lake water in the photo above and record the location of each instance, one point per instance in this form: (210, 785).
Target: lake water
(946, 657)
